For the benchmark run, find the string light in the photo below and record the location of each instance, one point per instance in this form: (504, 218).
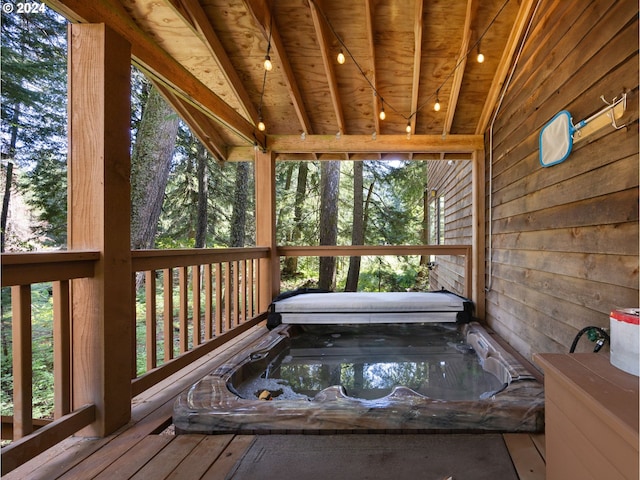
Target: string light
(480, 56)
(382, 115)
(261, 126)
(268, 66)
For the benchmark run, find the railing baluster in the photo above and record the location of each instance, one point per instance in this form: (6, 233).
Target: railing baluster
(184, 309)
(151, 323)
(22, 358)
(242, 297)
(235, 295)
(227, 296)
(168, 313)
(218, 299)
(134, 330)
(61, 349)
(250, 287)
(208, 303)
(195, 281)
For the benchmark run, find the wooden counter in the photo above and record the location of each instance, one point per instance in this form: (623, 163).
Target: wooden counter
(591, 418)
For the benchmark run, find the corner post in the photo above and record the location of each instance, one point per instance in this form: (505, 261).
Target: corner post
(478, 233)
(269, 271)
(99, 219)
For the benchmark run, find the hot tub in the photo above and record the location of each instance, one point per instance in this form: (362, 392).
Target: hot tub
(350, 399)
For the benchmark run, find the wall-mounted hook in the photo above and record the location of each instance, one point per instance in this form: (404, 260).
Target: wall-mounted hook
(608, 115)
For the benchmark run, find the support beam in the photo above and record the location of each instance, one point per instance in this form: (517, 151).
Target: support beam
(478, 232)
(269, 268)
(98, 219)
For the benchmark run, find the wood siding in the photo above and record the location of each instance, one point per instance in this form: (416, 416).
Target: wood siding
(450, 180)
(564, 238)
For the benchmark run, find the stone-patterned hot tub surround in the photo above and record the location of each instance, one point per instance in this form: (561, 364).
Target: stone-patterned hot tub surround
(210, 406)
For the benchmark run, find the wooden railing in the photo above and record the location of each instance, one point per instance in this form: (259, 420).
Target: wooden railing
(362, 251)
(223, 281)
(20, 272)
(216, 292)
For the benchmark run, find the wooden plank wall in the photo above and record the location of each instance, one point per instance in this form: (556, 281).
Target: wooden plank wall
(565, 238)
(451, 181)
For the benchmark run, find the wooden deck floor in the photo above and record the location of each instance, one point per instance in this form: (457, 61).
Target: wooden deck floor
(146, 449)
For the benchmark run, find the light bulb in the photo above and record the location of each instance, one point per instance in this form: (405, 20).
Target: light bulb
(408, 128)
(382, 114)
(341, 58)
(261, 126)
(436, 106)
(480, 57)
(268, 66)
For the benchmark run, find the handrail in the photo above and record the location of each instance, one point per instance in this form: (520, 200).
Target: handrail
(142, 260)
(38, 267)
(368, 250)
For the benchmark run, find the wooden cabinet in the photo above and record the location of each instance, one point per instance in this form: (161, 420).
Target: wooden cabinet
(591, 418)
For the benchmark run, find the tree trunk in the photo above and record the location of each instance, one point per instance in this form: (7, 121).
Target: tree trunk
(4, 215)
(329, 189)
(357, 233)
(291, 263)
(239, 214)
(150, 163)
(201, 219)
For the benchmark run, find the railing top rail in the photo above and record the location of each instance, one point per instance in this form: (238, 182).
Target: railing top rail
(25, 268)
(143, 260)
(363, 250)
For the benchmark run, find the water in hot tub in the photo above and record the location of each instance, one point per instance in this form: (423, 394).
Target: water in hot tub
(433, 360)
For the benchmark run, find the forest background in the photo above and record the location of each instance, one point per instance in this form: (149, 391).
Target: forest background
(182, 196)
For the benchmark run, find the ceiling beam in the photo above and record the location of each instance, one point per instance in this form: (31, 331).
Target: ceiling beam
(319, 23)
(505, 63)
(192, 12)
(157, 63)
(382, 143)
(262, 15)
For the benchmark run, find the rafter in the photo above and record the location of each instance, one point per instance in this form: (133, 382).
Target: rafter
(157, 63)
(505, 63)
(192, 12)
(262, 15)
(461, 63)
(417, 60)
(199, 123)
(320, 27)
(372, 54)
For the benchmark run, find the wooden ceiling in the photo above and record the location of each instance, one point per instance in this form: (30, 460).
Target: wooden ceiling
(207, 57)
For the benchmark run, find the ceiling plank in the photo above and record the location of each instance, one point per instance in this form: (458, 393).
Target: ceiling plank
(382, 144)
(262, 15)
(198, 19)
(319, 23)
(505, 63)
(157, 63)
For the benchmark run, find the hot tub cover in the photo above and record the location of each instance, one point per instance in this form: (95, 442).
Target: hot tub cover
(369, 307)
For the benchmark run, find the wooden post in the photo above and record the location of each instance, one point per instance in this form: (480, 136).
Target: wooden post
(269, 268)
(478, 233)
(99, 219)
